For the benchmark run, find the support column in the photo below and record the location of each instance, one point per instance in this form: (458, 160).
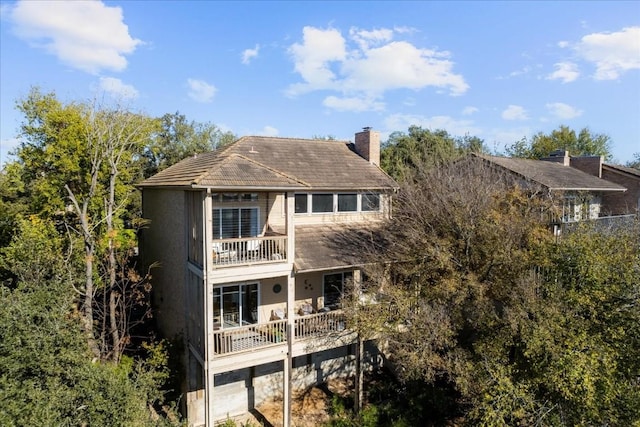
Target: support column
(291, 299)
(359, 389)
(209, 349)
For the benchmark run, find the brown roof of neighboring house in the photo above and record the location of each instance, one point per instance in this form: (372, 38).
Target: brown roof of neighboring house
(255, 162)
(553, 176)
(625, 169)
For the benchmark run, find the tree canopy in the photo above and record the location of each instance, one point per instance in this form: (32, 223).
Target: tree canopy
(583, 143)
(483, 301)
(424, 148)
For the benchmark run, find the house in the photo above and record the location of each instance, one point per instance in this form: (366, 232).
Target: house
(582, 193)
(616, 203)
(249, 266)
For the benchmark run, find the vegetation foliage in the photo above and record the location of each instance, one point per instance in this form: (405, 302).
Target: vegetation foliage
(484, 302)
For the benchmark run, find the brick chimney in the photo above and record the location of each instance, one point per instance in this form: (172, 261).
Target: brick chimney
(589, 164)
(367, 145)
(558, 156)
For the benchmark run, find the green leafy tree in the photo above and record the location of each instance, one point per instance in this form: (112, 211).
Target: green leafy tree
(584, 143)
(635, 163)
(403, 152)
(178, 138)
(47, 376)
(77, 164)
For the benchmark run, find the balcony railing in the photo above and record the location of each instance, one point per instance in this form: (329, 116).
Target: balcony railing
(257, 336)
(249, 337)
(249, 250)
(318, 324)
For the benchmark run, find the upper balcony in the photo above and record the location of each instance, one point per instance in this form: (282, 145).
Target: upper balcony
(249, 251)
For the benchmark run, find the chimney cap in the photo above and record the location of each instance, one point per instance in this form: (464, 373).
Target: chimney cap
(366, 128)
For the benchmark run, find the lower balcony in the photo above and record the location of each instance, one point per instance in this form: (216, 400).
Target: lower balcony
(251, 338)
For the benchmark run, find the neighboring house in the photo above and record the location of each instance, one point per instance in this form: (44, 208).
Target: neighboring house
(581, 194)
(250, 269)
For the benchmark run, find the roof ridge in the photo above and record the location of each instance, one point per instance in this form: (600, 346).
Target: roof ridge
(290, 138)
(293, 178)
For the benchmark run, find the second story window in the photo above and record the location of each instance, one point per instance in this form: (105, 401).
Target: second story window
(347, 202)
(322, 203)
(301, 203)
(370, 202)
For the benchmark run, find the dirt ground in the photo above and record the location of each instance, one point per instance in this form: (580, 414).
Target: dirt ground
(309, 407)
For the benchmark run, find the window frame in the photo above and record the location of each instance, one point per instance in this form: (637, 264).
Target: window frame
(360, 203)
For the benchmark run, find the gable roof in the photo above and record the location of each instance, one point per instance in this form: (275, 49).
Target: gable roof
(631, 171)
(256, 162)
(554, 176)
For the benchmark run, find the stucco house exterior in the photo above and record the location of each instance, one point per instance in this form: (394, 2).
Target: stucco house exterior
(579, 193)
(248, 269)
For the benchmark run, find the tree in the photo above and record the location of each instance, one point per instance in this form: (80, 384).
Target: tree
(582, 144)
(480, 300)
(178, 138)
(47, 376)
(423, 148)
(635, 163)
(77, 164)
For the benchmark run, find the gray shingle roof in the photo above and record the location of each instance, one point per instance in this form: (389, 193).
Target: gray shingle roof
(265, 162)
(332, 246)
(554, 176)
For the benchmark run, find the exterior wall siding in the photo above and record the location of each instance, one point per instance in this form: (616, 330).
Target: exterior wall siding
(621, 203)
(164, 243)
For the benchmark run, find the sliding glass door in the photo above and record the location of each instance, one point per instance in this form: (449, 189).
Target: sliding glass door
(235, 305)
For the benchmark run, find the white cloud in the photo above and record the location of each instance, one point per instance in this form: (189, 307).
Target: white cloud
(612, 53)
(118, 89)
(354, 104)
(365, 38)
(201, 91)
(565, 71)
(451, 125)
(515, 112)
(467, 111)
(368, 65)
(563, 111)
(87, 35)
(249, 54)
(314, 56)
(269, 131)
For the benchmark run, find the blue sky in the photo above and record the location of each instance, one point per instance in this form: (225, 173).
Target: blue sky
(497, 70)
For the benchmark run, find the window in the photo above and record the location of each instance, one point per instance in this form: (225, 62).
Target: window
(235, 305)
(234, 197)
(370, 202)
(231, 223)
(301, 203)
(333, 287)
(348, 202)
(322, 203)
(338, 202)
